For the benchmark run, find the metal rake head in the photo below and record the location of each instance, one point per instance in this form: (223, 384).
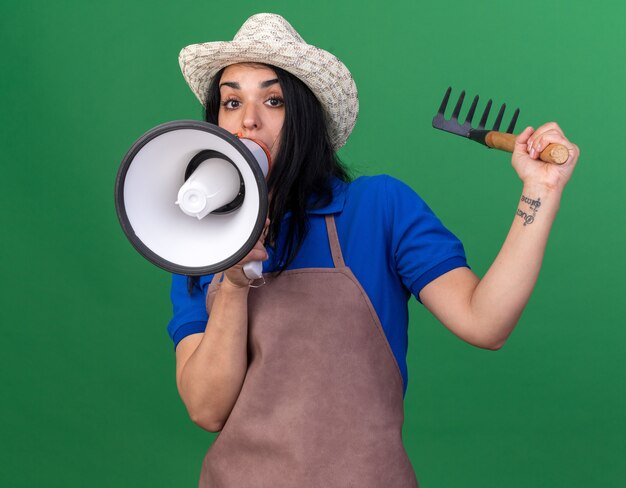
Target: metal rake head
(466, 130)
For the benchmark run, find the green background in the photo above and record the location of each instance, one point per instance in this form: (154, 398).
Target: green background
(87, 371)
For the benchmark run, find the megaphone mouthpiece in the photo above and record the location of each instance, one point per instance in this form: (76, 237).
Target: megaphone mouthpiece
(260, 152)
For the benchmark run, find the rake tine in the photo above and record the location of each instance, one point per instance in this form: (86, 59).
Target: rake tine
(470, 113)
(483, 119)
(513, 121)
(444, 102)
(457, 109)
(496, 125)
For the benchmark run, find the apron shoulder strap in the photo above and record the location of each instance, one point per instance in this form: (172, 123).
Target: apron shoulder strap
(333, 241)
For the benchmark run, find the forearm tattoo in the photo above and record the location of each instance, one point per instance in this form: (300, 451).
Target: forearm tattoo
(529, 216)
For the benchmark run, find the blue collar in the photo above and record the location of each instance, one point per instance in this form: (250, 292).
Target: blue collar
(339, 189)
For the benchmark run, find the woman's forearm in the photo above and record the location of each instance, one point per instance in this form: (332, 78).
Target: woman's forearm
(483, 312)
(210, 377)
(211, 367)
(500, 297)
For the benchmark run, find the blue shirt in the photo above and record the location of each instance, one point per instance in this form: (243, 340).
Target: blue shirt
(393, 243)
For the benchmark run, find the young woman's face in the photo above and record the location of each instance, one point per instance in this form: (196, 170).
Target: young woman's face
(251, 103)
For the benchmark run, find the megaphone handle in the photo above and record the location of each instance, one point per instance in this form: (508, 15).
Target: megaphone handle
(253, 270)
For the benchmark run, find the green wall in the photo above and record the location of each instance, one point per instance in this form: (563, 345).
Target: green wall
(87, 372)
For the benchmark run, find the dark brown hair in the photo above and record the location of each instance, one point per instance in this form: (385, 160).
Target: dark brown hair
(303, 170)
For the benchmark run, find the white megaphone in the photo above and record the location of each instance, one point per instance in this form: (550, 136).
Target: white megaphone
(191, 197)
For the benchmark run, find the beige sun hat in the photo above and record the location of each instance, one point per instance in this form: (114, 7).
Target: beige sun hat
(270, 39)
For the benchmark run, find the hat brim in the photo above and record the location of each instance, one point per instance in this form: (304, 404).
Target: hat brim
(326, 76)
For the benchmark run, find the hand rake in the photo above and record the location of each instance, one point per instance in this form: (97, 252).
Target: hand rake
(505, 141)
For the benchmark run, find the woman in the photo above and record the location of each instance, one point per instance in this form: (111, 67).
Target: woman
(305, 376)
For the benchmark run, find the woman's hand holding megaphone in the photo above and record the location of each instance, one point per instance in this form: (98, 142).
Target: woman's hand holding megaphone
(235, 275)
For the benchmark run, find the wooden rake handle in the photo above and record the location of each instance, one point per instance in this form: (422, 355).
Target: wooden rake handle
(554, 153)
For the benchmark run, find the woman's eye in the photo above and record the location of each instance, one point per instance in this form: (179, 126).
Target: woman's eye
(231, 104)
(275, 102)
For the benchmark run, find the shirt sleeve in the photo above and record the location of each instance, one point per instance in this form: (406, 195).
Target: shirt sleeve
(423, 248)
(189, 309)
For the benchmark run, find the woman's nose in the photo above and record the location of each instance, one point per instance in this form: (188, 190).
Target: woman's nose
(251, 118)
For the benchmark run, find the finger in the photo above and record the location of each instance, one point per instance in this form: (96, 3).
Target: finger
(522, 138)
(534, 144)
(521, 141)
(554, 138)
(266, 229)
(551, 137)
(258, 253)
(547, 127)
(550, 126)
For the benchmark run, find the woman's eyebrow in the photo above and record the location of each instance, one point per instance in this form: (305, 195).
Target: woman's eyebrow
(237, 86)
(267, 83)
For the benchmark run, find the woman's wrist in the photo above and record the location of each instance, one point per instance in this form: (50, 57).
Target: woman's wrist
(543, 190)
(236, 286)
(538, 202)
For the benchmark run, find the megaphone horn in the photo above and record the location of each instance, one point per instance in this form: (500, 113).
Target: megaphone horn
(191, 197)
